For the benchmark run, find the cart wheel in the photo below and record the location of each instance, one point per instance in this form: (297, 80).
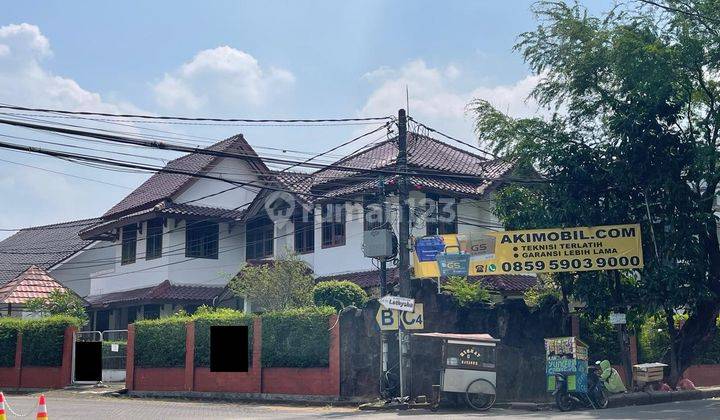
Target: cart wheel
(480, 394)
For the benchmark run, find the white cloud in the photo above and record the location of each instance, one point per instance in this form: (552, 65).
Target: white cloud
(24, 80)
(221, 76)
(29, 196)
(435, 100)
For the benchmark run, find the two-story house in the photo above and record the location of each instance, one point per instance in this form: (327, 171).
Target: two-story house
(177, 240)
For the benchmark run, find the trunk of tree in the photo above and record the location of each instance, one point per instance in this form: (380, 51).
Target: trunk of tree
(701, 325)
(686, 342)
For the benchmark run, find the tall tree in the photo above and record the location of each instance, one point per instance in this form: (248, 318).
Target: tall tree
(634, 138)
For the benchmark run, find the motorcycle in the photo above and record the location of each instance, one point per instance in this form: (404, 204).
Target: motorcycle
(596, 396)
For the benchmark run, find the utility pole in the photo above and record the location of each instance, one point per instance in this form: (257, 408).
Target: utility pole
(384, 340)
(403, 195)
(403, 242)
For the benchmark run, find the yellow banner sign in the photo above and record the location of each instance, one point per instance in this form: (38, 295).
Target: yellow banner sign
(614, 247)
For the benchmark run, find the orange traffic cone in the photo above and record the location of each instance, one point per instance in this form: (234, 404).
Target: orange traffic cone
(2, 407)
(42, 409)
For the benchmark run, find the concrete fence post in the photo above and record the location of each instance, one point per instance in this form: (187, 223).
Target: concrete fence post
(257, 354)
(67, 365)
(130, 359)
(18, 360)
(334, 360)
(189, 356)
(633, 350)
(575, 325)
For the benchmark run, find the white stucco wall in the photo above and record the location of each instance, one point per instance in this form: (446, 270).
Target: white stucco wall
(173, 265)
(75, 272)
(349, 258)
(231, 169)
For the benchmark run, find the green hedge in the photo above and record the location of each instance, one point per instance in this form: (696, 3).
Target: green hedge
(339, 294)
(160, 342)
(205, 318)
(8, 340)
(296, 337)
(43, 339)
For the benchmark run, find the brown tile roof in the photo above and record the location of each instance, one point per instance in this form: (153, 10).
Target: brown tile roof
(501, 283)
(166, 208)
(42, 246)
(32, 283)
(423, 153)
(162, 292)
(434, 162)
(164, 185)
(296, 182)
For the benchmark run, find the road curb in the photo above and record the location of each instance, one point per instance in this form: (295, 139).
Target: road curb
(657, 397)
(247, 397)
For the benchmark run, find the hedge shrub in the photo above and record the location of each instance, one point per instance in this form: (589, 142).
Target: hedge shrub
(43, 339)
(296, 337)
(205, 318)
(160, 342)
(339, 294)
(8, 340)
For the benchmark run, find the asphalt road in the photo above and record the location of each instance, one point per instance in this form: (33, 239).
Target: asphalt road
(101, 407)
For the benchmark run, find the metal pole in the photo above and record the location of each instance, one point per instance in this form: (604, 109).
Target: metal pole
(384, 342)
(401, 369)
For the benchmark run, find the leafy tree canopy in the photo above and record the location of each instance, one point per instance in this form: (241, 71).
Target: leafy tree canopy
(58, 302)
(633, 139)
(277, 285)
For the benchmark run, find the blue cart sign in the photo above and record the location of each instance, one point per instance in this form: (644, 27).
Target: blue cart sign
(453, 264)
(427, 248)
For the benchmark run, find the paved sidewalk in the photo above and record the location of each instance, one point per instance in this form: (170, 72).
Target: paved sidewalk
(78, 406)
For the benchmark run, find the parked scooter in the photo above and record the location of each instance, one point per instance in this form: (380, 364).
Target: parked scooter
(596, 397)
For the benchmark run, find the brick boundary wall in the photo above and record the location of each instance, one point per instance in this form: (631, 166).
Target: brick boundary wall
(258, 380)
(20, 376)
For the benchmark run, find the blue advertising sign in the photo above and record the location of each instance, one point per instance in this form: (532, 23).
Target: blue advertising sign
(427, 248)
(453, 264)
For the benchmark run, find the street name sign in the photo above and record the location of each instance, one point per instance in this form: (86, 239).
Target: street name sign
(618, 319)
(398, 303)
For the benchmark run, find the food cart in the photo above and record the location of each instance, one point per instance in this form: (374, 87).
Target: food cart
(566, 355)
(468, 367)
(646, 376)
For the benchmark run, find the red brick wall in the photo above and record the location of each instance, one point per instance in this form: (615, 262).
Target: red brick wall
(246, 382)
(159, 379)
(40, 376)
(703, 375)
(301, 381)
(8, 377)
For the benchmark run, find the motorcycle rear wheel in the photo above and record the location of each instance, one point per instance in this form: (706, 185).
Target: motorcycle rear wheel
(564, 401)
(601, 398)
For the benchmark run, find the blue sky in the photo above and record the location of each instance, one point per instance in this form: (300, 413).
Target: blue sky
(245, 59)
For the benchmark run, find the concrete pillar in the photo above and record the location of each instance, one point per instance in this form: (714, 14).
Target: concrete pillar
(67, 365)
(633, 350)
(18, 360)
(189, 356)
(574, 325)
(130, 359)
